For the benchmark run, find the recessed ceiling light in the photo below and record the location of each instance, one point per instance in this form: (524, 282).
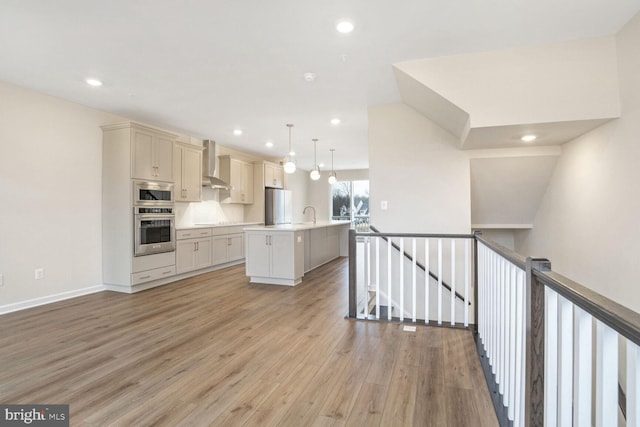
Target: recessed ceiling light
(269, 144)
(344, 26)
(528, 138)
(94, 82)
(237, 132)
(309, 77)
(335, 121)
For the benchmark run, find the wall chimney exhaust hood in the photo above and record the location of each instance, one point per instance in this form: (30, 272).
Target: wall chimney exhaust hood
(209, 167)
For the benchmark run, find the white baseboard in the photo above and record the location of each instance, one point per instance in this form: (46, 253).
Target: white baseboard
(17, 306)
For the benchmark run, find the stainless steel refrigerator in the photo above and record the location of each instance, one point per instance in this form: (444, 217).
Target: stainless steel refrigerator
(277, 206)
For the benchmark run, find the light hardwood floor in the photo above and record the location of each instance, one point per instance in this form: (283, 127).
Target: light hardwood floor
(216, 350)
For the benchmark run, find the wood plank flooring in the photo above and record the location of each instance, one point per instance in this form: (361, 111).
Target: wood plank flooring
(216, 350)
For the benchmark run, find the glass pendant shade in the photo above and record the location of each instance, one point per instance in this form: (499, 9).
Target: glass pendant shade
(289, 164)
(315, 174)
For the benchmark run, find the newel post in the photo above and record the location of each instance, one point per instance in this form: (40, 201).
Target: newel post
(534, 353)
(353, 274)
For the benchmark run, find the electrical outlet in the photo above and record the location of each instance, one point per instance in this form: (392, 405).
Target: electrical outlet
(384, 205)
(39, 273)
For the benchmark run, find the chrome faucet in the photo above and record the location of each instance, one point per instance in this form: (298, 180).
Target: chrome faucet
(314, 213)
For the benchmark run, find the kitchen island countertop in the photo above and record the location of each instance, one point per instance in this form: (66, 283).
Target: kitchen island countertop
(296, 227)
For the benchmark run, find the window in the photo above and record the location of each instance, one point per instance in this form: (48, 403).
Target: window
(350, 201)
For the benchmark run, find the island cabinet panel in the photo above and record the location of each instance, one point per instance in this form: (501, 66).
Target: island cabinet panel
(275, 257)
(258, 261)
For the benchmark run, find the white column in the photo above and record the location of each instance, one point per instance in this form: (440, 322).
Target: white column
(583, 367)
(467, 269)
(551, 358)
(453, 282)
(606, 376)
(565, 367)
(439, 281)
(426, 280)
(633, 385)
(413, 287)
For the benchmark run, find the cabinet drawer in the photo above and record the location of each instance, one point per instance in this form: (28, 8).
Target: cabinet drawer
(234, 229)
(193, 233)
(150, 275)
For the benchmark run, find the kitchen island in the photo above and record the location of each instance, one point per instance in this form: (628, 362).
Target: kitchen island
(281, 254)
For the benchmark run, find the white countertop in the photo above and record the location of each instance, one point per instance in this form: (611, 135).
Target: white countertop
(228, 224)
(296, 227)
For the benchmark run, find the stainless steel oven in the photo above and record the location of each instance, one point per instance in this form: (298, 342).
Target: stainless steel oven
(154, 228)
(147, 193)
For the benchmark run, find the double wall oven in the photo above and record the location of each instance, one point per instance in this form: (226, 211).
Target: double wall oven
(153, 218)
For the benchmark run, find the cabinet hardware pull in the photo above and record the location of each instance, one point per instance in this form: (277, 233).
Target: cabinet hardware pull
(166, 272)
(145, 277)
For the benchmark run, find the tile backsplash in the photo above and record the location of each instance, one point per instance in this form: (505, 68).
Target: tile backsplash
(209, 211)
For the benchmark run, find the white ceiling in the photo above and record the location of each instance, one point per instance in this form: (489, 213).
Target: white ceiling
(205, 67)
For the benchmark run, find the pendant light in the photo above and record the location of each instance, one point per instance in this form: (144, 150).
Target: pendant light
(332, 176)
(315, 172)
(289, 165)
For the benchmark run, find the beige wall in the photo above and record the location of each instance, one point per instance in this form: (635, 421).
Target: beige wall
(587, 222)
(415, 166)
(50, 187)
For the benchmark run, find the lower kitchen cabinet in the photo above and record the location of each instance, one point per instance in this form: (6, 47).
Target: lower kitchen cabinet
(227, 248)
(193, 253)
(275, 257)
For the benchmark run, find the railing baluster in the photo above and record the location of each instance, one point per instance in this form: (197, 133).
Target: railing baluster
(467, 278)
(502, 305)
(401, 259)
(518, 410)
(365, 282)
(565, 367)
(633, 385)
(582, 381)
(453, 282)
(511, 332)
(389, 279)
(368, 256)
(551, 358)
(606, 376)
(439, 281)
(413, 298)
(377, 277)
(426, 281)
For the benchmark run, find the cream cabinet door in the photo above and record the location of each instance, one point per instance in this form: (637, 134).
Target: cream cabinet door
(152, 156)
(220, 255)
(185, 261)
(282, 256)
(258, 254)
(202, 254)
(273, 176)
(247, 183)
(235, 247)
(191, 174)
(163, 158)
(142, 166)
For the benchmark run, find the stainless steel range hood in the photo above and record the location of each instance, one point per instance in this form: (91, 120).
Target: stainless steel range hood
(209, 167)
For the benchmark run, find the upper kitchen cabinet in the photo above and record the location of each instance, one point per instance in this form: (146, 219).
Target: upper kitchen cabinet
(187, 171)
(273, 175)
(151, 154)
(239, 175)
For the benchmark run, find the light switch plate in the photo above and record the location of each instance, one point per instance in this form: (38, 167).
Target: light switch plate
(383, 205)
(1, 279)
(39, 273)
